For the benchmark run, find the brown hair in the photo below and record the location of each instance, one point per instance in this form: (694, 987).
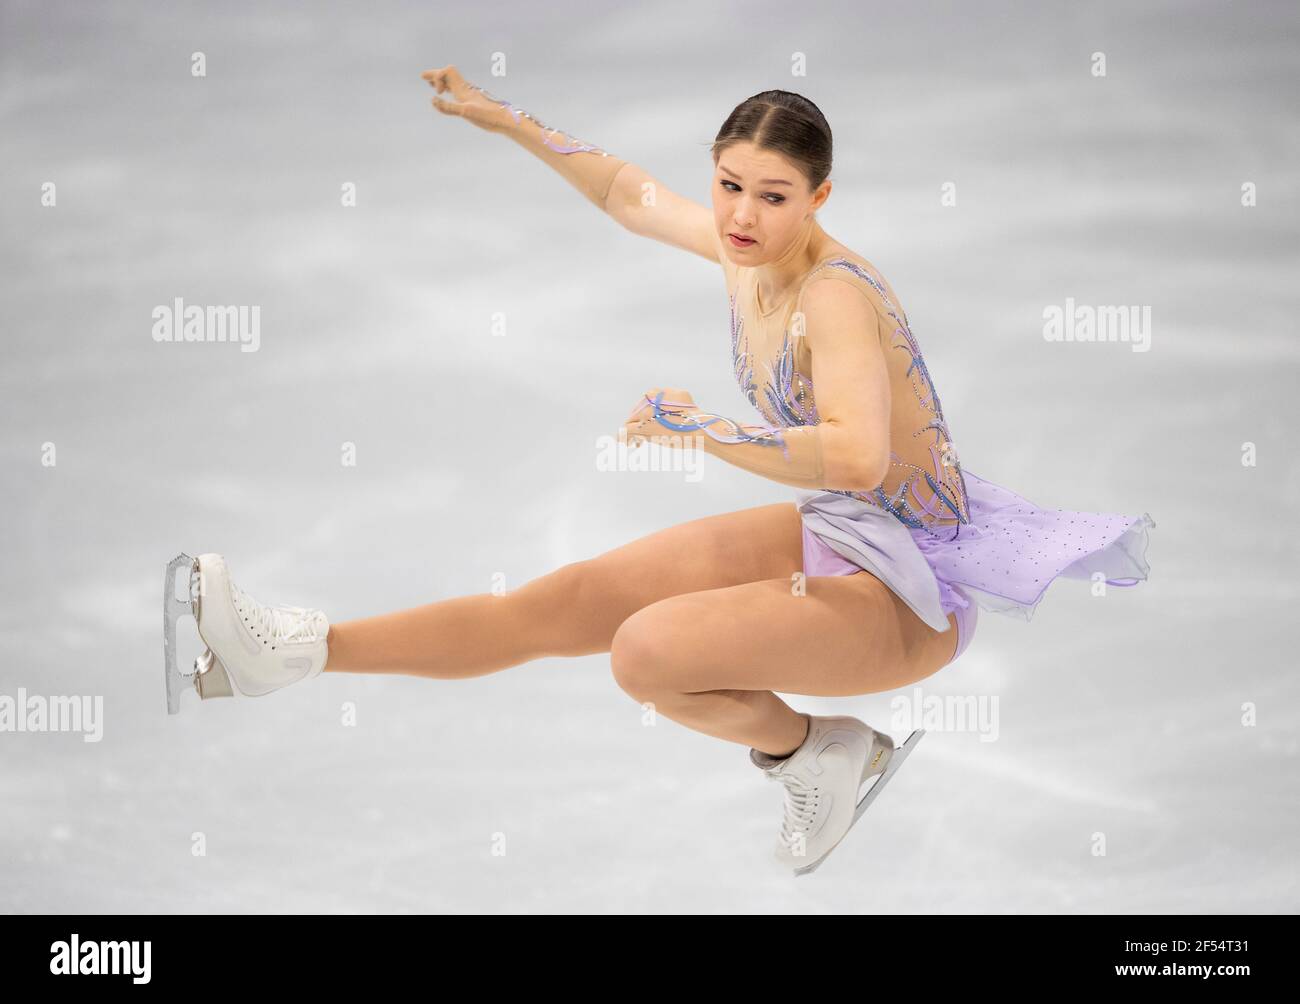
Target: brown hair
(786, 123)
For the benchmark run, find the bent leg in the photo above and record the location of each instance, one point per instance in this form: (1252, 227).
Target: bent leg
(711, 660)
(576, 609)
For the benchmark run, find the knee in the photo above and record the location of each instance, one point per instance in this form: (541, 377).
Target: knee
(558, 588)
(636, 657)
(565, 606)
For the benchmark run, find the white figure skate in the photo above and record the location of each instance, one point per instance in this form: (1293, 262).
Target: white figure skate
(251, 649)
(821, 780)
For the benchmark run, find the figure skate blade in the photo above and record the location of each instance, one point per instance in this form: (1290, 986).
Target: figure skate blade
(174, 609)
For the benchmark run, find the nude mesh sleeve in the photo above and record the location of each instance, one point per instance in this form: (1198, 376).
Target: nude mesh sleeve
(592, 175)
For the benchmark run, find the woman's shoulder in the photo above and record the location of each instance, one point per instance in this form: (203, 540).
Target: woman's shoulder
(846, 266)
(849, 267)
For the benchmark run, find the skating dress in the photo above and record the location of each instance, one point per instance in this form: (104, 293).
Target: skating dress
(942, 538)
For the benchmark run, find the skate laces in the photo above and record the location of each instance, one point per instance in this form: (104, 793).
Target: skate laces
(800, 806)
(280, 624)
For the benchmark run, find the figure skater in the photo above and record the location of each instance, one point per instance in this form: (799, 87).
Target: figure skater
(869, 582)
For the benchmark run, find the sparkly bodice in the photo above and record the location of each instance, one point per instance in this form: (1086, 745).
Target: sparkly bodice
(785, 396)
(924, 487)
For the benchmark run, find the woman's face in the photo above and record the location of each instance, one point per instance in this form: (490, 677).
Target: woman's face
(760, 195)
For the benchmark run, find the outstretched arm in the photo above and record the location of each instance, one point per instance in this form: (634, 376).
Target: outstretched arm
(648, 208)
(588, 168)
(631, 197)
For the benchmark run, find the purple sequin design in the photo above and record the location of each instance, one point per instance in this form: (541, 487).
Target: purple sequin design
(949, 490)
(786, 395)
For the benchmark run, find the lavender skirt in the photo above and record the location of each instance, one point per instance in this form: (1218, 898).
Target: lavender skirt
(1003, 560)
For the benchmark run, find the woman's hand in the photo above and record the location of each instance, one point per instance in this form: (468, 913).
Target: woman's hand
(642, 425)
(471, 104)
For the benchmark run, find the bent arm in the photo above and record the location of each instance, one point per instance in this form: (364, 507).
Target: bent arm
(792, 456)
(850, 383)
(848, 448)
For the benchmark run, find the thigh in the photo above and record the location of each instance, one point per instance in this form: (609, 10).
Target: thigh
(713, 552)
(844, 635)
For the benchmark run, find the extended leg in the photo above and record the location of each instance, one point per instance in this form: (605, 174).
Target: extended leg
(576, 609)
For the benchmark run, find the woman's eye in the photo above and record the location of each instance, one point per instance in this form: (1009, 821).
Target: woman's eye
(771, 197)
